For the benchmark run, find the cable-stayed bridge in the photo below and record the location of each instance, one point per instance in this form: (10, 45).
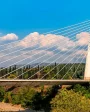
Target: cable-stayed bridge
(60, 56)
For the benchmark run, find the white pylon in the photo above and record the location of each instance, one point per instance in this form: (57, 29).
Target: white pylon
(87, 67)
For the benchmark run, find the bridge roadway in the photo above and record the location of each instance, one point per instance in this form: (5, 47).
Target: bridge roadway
(34, 82)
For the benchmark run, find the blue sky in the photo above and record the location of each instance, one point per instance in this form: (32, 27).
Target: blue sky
(25, 16)
(28, 19)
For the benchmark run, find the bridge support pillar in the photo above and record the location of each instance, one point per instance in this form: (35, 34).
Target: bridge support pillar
(87, 67)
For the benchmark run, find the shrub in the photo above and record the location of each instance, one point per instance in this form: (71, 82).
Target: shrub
(2, 93)
(69, 101)
(8, 97)
(16, 99)
(28, 97)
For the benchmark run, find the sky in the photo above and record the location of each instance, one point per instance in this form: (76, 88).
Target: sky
(29, 19)
(26, 16)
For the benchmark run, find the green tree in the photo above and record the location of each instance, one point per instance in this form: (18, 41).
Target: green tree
(11, 76)
(16, 99)
(8, 97)
(79, 88)
(69, 101)
(82, 89)
(28, 97)
(2, 93)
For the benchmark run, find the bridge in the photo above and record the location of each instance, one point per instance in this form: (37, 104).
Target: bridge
(56, 57)
(42, 82)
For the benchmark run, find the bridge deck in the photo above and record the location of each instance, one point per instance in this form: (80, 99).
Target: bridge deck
(22, 82)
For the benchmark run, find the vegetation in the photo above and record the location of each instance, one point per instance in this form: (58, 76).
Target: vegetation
(2, 93)
(52, 99)
(40, 71)
(66, 101)
(84, 90)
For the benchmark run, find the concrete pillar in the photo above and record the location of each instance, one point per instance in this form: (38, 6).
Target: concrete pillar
(87, 66)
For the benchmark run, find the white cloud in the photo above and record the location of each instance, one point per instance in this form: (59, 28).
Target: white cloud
(82, 52)
(49, 40)
(30, 40)
(36, 40)
(83, 38)
(10, 36)
(60, 42)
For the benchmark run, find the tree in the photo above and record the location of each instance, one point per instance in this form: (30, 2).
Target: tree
(82, 89)
(55, 68)
(11, 76)
(7, 97)
(16, 99)
(29, 66)
(28, 97)
(10, 69)
(2, 93)
(69, 101)
(79, 88)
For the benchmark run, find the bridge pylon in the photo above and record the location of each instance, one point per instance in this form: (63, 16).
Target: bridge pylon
(87, 66)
